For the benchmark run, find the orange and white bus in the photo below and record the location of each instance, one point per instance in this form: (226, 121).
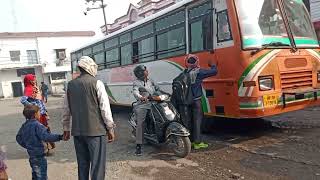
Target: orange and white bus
(267, 50)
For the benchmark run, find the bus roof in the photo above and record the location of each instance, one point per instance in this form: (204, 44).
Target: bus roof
(145, 20)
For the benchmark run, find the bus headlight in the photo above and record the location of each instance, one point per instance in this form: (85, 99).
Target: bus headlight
(266, 83)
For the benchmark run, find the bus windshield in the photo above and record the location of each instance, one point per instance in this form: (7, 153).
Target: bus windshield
(261, 23)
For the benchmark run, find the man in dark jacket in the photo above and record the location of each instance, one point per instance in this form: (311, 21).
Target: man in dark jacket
(92, 123)
(197, 76)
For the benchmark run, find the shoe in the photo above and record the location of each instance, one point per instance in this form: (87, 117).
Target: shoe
(201, 145)
(138, 150)
(195, 146)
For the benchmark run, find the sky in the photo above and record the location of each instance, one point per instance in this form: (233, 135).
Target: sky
(57, 15)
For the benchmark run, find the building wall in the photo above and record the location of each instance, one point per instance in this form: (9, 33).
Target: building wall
(46, 54)
(9, 76)
(7, 45)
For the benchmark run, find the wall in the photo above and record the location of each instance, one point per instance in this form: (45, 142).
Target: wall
(12, 44)
(9, 76)
(47, 46)
(46, 54)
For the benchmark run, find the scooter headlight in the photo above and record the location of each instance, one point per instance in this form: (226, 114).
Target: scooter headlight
(266, 83)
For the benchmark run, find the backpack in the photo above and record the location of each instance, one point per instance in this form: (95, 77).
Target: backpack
(181, 89)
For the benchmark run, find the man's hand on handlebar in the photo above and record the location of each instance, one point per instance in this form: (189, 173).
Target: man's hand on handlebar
(143, 99)
(156, 98)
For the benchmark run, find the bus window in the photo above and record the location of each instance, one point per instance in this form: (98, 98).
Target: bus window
(264, 23)
(299, 22)
(97, 48)
(111, 43)
(224, 31)
(87, 52)
(112, 58)
(125, 38)
(171, 43)
(200, 25)
(143, 50)
(126, 55)
(170, 20)
(79, 54)
(100, 61)
(141, 32)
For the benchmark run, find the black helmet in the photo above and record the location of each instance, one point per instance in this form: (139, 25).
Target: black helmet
(139, 71)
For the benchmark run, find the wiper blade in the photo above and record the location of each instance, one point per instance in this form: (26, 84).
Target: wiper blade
(265, 46)
(277, 44)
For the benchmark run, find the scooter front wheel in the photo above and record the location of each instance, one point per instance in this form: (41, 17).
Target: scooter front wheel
(181, 145)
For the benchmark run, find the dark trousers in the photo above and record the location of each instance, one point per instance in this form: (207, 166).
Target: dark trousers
(191, 117)
(91, 156)
(39, 168)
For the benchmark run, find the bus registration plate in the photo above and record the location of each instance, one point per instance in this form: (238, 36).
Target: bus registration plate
(270, 100)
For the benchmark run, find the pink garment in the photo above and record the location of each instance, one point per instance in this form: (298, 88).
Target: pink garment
(192, 65)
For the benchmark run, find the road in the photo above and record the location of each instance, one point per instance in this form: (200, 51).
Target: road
(281, 147)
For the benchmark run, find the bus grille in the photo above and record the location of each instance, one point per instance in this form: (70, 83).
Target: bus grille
(296, 79)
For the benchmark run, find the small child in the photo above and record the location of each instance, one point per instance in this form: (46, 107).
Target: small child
(30, 137)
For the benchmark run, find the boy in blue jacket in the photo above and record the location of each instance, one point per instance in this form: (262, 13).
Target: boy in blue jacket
(197, 75)
(31, 136)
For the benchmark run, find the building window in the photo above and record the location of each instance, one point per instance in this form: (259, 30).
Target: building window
(61, 54)
(32, 57)
(143, 50)
(15, 55)
(171, 43)
(23, 72)
(58, 76)
(126, 55)
(112, 58)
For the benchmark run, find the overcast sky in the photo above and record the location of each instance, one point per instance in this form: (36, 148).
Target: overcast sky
(57, 15)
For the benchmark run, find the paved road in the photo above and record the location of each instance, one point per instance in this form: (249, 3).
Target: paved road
(282, 147)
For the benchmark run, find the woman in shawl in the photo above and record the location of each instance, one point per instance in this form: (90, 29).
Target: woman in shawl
(32, 96)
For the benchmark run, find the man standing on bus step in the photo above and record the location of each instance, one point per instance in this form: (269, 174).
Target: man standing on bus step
(197, 75)
(88, 104)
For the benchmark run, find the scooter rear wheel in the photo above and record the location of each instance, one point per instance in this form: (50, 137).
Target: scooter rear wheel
(182, 145)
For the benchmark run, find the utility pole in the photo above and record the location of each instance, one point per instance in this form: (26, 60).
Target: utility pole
(104, 16)
(102, 6)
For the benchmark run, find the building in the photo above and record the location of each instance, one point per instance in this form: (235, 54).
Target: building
(136, 12)
(45, 54)
(315, 15)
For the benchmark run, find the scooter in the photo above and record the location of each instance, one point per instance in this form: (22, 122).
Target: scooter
(163, 126)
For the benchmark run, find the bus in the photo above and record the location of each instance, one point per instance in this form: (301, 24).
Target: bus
(267, 51)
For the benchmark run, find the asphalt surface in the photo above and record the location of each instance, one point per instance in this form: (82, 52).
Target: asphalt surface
(280, 147)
